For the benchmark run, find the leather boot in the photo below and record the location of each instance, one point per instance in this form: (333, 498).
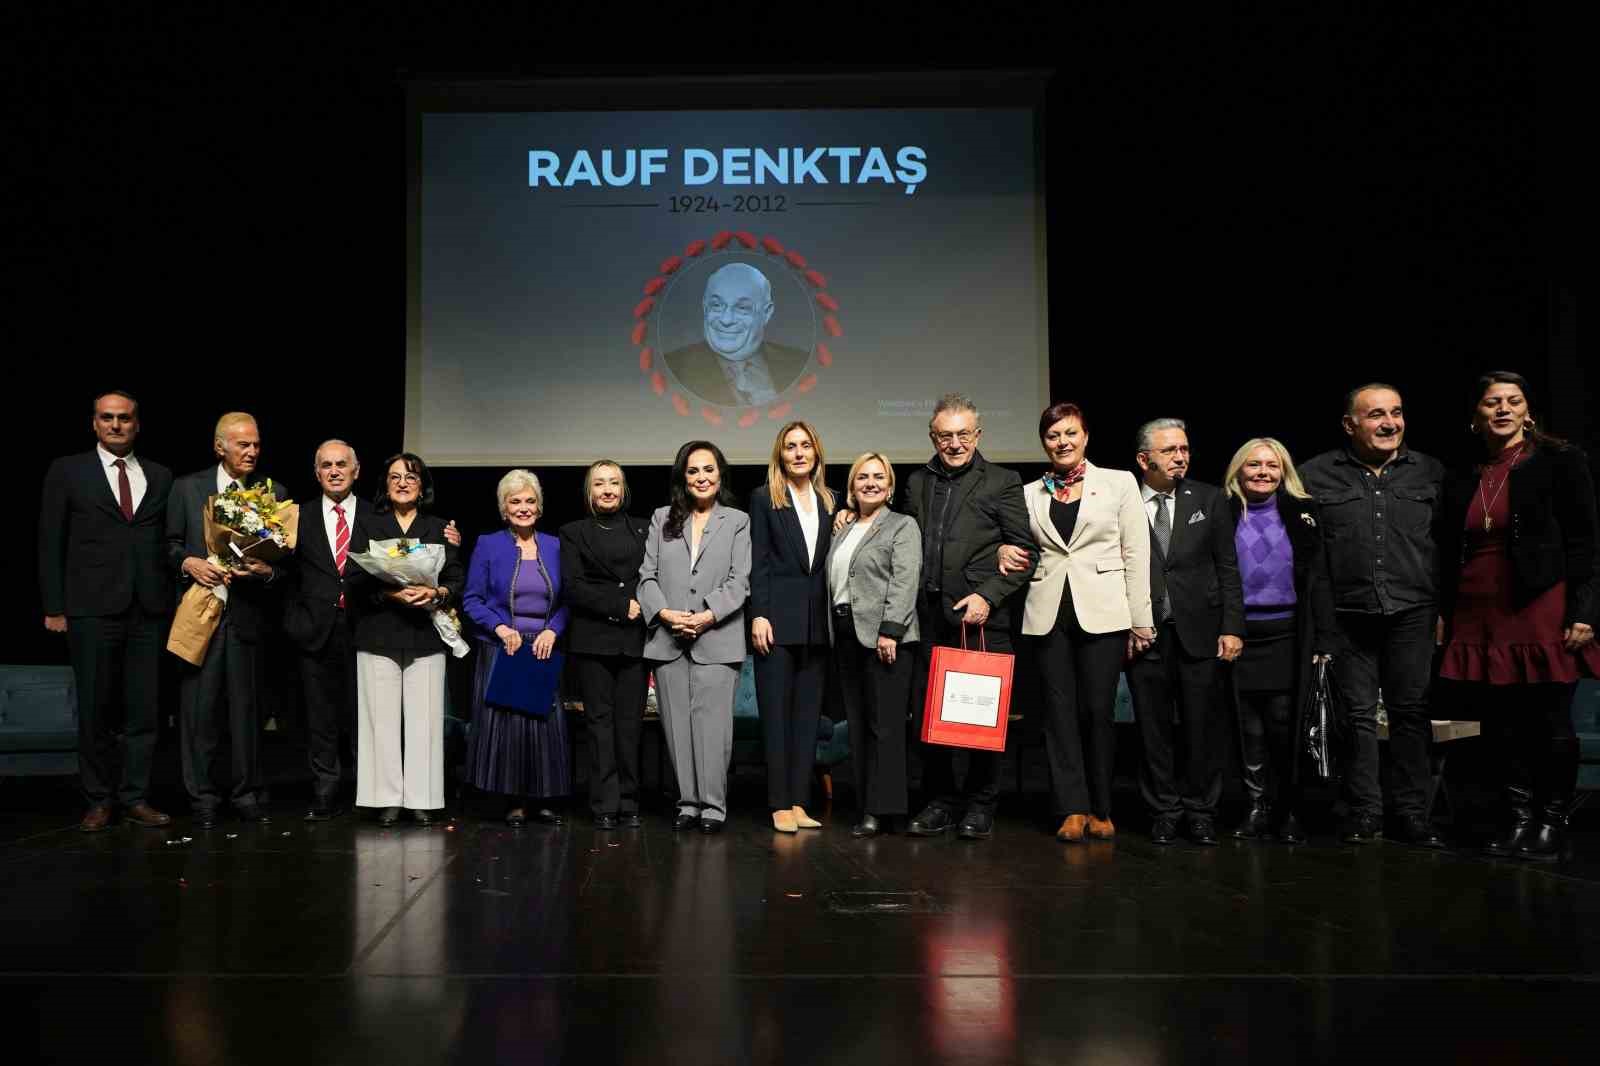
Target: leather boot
(1257, 824)
(1556, 783)
(1519, 822)
(1253, 757)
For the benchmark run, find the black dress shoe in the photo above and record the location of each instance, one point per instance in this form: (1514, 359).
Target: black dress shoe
(1164, 830)
(976, 825)
(1202, 830)
(389, 816)
(631, 820)
(546, 816)
(422, 817)
(683, 822)
(1257, 825)
(205, 819)
(1361, 829)
(931, 822)
(250, 812)
(710, 825)
(516, 819)
(867, 827)
(605, 821)
(324, 810)
(1415, 830)
(1289, 831)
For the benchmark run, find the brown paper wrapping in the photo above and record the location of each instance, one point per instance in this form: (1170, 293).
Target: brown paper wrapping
(199, 614)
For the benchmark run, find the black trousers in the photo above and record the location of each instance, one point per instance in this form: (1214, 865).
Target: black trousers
(1163, 681)
(329, 680)
(116, 664)
(1529, 732)
(1267, 739)
(1078, 682)
(876, 698)
(1394, 652)
(789, 683)
(613, 688)
(979, 790)
(231, 669)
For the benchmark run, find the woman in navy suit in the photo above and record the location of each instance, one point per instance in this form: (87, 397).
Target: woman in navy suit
(514, 597)
(790, 519)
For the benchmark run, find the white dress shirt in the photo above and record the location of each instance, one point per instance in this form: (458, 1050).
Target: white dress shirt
(136, 479)
(839, 565)
(808, 522)
(331, 523)
(1150, 496)
(224, 479)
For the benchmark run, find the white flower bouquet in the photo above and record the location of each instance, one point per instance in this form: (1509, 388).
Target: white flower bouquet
(405, 562)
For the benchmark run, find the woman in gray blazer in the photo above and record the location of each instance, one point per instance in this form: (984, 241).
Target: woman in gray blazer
(874, 571)
(692, 588)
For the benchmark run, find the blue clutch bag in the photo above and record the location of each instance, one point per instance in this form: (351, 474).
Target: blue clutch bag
(524, 683)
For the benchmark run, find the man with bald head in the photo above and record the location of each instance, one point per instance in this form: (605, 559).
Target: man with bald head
(735, 366)
(1378, 499)
(316, 620)
(232, 666)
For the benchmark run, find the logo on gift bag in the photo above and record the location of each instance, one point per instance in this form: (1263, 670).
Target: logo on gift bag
(971, 699)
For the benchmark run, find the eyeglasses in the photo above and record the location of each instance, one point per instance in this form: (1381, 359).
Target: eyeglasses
(965, 436)
(404, 479)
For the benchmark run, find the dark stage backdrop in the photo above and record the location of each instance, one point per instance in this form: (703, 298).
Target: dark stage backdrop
(1243, 221)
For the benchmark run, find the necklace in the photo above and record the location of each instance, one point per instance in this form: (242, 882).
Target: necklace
(1489, 502)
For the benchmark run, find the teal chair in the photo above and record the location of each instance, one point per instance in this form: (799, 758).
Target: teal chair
(38, 721)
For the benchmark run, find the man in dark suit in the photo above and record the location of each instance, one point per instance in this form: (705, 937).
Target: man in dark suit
(1198, 600)
(316, 620)
(735, 365)
(965, 509)
(233, 658)
(104, 583)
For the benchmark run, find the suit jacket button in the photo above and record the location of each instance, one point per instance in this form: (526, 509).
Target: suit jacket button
(694, 592)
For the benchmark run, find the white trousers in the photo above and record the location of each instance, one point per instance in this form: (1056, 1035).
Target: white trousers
(395, 697)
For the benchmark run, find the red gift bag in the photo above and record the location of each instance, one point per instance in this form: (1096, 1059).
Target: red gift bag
(969, 697)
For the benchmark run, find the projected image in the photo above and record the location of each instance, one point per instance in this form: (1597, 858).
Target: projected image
(736, 327)
(614, 283)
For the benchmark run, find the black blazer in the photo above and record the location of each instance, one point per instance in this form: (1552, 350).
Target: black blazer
(988, 510)
(1199, 569)
(92, 561)
(1553, 529)
(311, 603)
(387, 628)
(253, 603)
(597, 590)
(787, 589)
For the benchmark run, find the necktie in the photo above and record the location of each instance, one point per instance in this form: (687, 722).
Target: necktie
(1162, 528)
(124, 489)
(341, 543)
(233, 486)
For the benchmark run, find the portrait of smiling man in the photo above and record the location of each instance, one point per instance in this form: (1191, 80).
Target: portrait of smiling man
(735, 365)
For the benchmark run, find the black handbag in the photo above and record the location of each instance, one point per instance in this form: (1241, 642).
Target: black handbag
(1322, 725)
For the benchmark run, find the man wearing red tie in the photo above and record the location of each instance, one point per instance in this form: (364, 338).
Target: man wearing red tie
(316, 619)
(104, 582)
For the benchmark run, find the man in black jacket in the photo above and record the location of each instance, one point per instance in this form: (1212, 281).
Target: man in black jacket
(104, 583)
(1198, 601)
(233, 658)
(1379, 500)
(316, 620)
(965, 509)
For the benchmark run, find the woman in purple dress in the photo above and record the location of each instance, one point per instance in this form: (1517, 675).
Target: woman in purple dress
(513, 597)
(1289, 627)
(1516, 536)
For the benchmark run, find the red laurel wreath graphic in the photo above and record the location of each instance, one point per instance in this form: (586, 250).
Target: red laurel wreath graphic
(773, 250)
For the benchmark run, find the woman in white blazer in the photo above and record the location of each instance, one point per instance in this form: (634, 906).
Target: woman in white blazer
(1088, 609)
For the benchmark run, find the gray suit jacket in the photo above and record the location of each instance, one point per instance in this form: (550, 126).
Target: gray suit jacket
(885, 573)
(718, 581)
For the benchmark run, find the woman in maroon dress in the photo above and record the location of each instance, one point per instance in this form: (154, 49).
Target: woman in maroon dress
(1516, 538)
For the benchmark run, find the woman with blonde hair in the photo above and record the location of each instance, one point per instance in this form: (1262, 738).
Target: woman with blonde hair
(514, 598)
(1289, 626)
(791, 518)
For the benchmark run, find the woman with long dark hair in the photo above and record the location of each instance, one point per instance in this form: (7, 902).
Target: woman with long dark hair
(1516, 535)
(791, 516)
(692, 587)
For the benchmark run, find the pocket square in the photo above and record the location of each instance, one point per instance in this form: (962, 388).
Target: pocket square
(1198, 516)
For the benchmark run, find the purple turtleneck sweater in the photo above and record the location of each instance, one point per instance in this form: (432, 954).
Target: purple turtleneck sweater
(1266, 562)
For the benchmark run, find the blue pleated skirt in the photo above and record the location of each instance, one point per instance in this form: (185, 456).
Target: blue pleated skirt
(511, 753)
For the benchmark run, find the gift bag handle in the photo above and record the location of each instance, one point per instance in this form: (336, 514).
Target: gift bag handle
(982, 644)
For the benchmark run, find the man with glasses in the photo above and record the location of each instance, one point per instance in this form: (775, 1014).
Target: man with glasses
(735, 365)
(966, 509)
(231, 670)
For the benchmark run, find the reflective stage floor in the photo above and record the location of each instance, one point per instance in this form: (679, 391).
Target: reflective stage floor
(342, 942)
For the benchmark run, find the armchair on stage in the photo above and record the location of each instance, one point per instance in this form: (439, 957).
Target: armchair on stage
(38, 721)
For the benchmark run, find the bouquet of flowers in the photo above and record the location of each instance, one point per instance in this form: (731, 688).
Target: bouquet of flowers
(240, 524)
(406, 562)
